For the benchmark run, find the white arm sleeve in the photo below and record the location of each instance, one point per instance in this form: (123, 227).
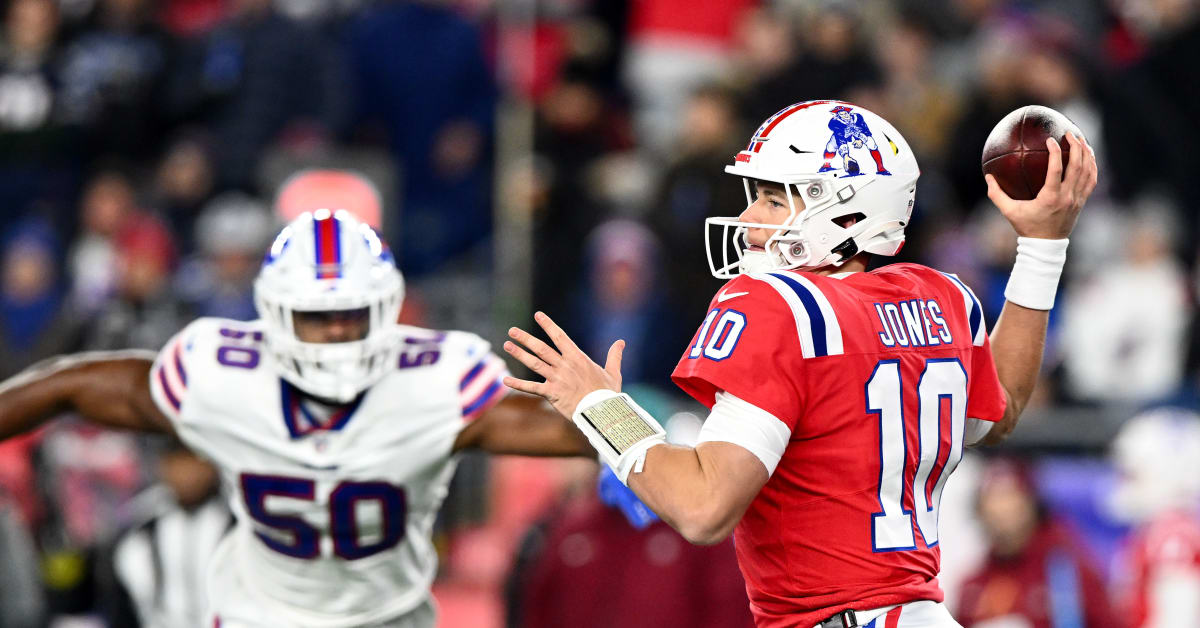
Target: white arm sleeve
(733, 420)
(976, 430)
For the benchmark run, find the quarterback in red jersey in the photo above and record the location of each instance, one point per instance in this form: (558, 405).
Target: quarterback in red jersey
(840, 399)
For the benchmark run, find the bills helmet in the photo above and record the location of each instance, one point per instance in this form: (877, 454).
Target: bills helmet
(326, 261)
(1157, 457)
(840, 160)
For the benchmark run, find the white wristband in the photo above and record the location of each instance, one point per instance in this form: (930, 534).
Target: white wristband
(1034, 279)
(620, 430)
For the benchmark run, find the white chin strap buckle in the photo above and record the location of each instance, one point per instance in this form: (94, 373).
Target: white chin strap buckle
(620, 430)
(755, 262)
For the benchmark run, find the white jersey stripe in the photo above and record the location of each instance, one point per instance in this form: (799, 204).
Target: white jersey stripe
(833, 331)
(817, 324)
(803, 324)
(973, 308)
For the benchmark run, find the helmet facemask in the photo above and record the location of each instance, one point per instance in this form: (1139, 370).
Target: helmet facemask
(822, 152)
(816, 220)
(365, 279)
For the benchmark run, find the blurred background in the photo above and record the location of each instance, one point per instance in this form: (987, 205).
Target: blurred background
(563, 154)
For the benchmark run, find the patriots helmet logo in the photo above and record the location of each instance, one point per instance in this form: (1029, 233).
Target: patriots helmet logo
(850, 131)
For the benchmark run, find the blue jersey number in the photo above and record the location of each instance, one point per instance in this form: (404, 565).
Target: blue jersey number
(718, 335)
(302, 539)
(240, 349)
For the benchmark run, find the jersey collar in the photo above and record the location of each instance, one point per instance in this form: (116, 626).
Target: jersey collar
(301, 422)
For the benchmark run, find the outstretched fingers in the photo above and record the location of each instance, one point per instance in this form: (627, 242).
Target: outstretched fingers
(613, 364)
(526, 386)
(535, 364)
(535, 345)
(557, 335)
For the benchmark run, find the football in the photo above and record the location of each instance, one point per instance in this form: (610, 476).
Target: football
(1016, 154)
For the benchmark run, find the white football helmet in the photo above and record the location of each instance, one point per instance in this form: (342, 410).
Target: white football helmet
(1157, 454)
(842, 160)
(329, 261)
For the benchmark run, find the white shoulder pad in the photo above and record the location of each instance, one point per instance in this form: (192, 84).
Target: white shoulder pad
(466, 357)
(194, 354)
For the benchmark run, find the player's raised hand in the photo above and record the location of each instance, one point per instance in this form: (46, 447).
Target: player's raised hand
(1053, 212)
(569, 373)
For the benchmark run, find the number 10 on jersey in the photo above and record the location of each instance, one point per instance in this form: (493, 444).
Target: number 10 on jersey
(941, 389)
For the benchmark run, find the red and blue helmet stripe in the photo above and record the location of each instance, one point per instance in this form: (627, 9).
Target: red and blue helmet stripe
(327, 231)
(761, 135)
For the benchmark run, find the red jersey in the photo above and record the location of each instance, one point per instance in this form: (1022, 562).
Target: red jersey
(1167, 548)
(875, 374)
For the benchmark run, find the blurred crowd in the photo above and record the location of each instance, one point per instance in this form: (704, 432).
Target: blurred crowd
(143, 144)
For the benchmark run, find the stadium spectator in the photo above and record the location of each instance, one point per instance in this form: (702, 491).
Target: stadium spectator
(994, 91)
(767, 61)
(1124, 329)
(231, 235)
(35, 319)
(108, 203)
(688, 193)
(143, 312)
(419, 70)
(191, 18)
(37, 160)
(647, 577)
(184, 181)
(112, 79)
(575, 128)
(87, 476)
(251, 76)
(1036, 574)
(674, 47)
(624, 298)
(916, 98)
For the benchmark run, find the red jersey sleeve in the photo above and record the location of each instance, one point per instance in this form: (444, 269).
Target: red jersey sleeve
(985, 395)
(739, 349)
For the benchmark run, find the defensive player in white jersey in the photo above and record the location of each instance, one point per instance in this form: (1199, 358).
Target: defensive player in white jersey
(334, 429)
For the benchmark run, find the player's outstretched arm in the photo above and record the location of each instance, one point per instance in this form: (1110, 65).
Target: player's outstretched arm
(1042, 225)
(701, 492)
(524, 425)
(110, 388)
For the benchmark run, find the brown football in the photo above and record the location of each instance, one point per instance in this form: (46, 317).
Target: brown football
(1016, 154)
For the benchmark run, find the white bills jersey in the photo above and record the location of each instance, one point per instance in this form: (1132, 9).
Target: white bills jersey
(334, 510)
